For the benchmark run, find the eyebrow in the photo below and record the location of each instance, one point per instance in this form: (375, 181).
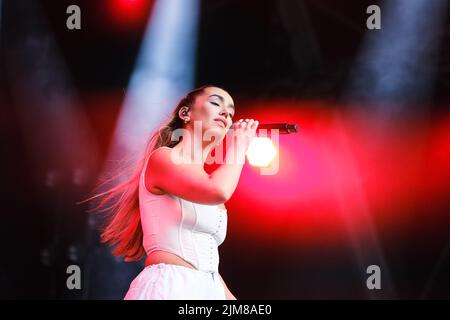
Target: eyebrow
(222, 99)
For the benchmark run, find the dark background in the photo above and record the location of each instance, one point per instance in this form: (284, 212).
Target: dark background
(257, 50)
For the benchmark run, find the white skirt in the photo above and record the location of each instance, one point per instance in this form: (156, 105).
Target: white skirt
(173, 282)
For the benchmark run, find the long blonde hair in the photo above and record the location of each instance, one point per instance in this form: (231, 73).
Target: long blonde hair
(123, 228)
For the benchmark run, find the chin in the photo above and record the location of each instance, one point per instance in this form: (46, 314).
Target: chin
(217, 131)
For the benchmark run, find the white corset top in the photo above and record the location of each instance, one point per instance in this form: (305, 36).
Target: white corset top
(190, 230)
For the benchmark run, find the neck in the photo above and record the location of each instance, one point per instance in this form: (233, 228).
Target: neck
(195, 150)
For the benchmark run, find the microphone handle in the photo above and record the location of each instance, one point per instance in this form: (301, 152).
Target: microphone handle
(284, 128)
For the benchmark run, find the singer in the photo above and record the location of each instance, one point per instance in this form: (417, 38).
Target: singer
(173, 212)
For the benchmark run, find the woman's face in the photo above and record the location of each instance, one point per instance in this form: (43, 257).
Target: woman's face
(215, 109)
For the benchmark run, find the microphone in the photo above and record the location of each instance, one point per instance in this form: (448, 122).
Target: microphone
(283, 128)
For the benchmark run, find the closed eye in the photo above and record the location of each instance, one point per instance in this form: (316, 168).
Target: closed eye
(216, 104)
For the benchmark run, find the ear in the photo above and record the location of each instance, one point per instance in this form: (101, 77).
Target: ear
(184, 112)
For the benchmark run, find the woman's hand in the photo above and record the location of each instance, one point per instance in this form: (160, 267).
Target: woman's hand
(243, 132)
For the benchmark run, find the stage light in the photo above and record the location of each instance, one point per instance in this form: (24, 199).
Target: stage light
(394, 64)
(261, 152)
(164, 71)
(129, 12)
(392, 73)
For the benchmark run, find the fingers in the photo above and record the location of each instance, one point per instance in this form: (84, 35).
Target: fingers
(248, 123)
(245, 131)
(237, 124)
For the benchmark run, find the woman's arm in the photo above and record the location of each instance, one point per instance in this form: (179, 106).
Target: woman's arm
(228, 173)
(228, 293)
(191, 182)
(184, 180)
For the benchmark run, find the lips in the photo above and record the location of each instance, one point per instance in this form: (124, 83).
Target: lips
(222, 121)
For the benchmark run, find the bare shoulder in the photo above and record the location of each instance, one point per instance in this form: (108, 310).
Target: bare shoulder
(158, 158)
(160, 153)
(188, 180)
(159, 161)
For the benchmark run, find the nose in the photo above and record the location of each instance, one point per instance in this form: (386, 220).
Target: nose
(225, 114)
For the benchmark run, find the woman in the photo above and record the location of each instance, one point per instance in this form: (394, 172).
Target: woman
(173, 211)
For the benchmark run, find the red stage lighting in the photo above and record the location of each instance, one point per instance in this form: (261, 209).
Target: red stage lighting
(129, 13)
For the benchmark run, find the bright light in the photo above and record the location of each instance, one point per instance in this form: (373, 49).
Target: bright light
(261, 152)
(164, 72)
(129, 12)
(391, 65)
